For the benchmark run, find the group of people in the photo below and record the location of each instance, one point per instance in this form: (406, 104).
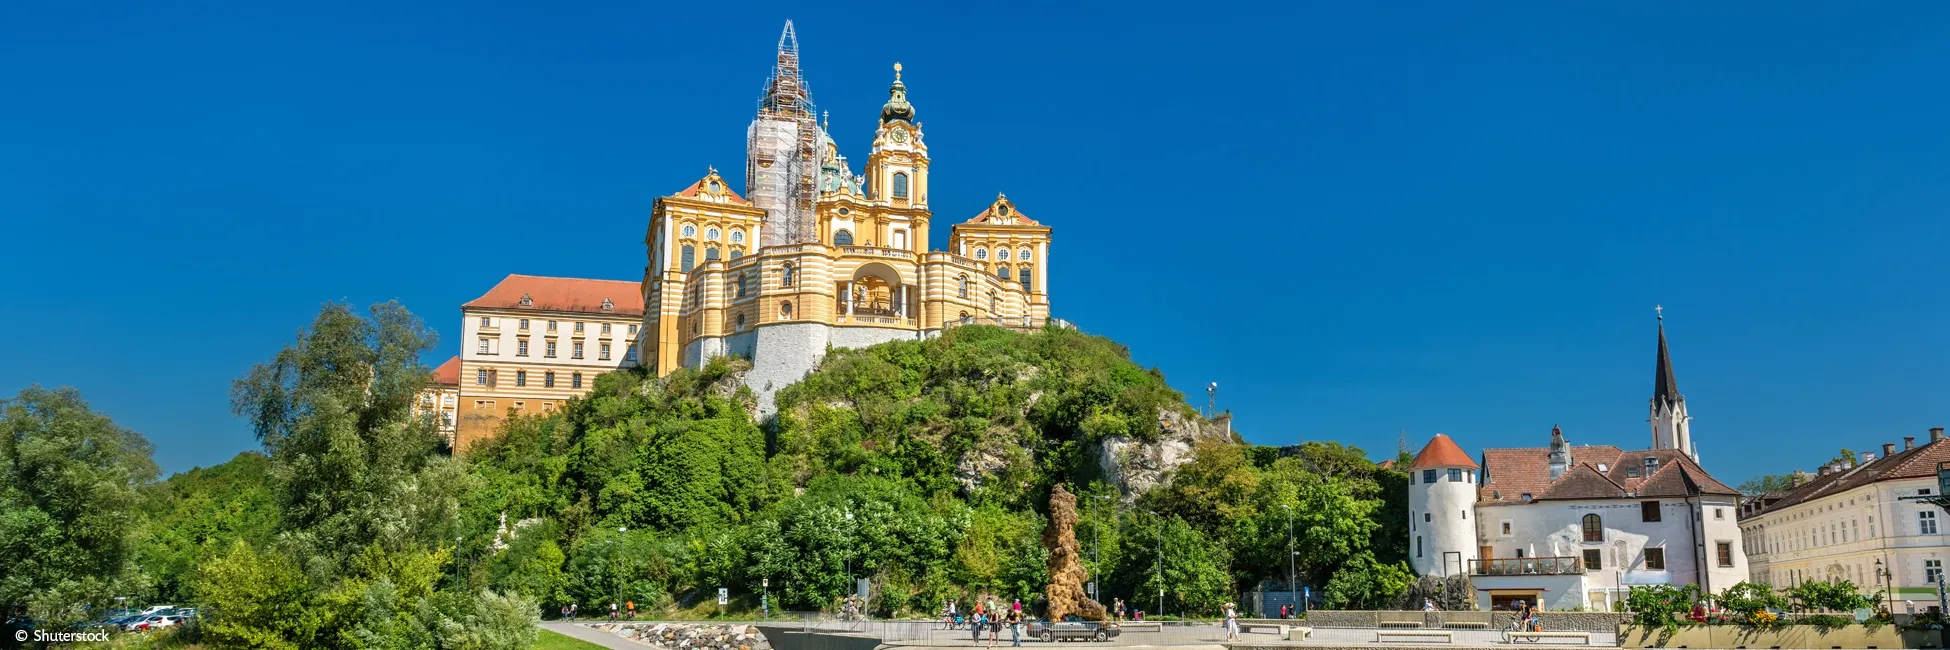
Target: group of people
(1117, 608)
(988, 617)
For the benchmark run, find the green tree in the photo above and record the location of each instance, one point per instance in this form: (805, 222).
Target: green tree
(254, 600)
(1364, 583)
(69, 480)
(350, 463)
(194, 515)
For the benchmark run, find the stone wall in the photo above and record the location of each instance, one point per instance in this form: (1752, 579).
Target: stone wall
(689, 636)
(1553, 621)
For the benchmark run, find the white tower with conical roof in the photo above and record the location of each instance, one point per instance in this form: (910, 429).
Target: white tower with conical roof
(1442, 484)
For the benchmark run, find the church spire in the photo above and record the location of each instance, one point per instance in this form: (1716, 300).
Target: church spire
(785, 92)
(1665, 389)
(1671, 426)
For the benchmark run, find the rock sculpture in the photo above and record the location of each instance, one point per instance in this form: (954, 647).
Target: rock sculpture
(1066, 575)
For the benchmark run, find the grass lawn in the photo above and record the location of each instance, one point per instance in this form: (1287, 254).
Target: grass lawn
(552, 641)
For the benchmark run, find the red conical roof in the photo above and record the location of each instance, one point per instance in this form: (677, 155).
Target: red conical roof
(1442, 452)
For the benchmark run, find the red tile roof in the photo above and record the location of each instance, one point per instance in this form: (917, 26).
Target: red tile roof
(1443, 452)
(563, 294)
(1919, 462)
(1511, 473)
(448, 374)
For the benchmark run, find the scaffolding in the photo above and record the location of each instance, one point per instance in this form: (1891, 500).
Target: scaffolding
(782, 151)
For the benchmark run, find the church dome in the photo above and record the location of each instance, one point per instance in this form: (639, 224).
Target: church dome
(897, 107)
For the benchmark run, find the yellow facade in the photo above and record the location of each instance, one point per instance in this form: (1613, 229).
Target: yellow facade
(863, 262)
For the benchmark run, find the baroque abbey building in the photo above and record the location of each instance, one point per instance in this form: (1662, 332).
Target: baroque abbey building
(812, 255)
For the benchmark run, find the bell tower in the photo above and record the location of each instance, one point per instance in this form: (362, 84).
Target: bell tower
(1671, 426)
(897, 170)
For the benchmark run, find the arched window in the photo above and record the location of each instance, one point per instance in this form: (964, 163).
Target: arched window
(842, 238)
(690, 230)
(785, 275)
(690, 257)
(711, 254)
(964, 285)
(1002, 253)
(711, 234)
(900, 185)
(982, 254)
(994, 305)
(1003, 273)
(1594, 528)
(737, 236)
(1025, 255)
(741, 286)
(1024, 276)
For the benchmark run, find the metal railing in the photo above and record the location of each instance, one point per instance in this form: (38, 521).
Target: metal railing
(1520, 566)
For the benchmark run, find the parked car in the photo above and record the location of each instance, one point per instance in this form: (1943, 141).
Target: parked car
(156, 622)
(1071, 627)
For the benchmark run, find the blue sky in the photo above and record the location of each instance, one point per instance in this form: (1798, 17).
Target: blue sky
(1358, 218)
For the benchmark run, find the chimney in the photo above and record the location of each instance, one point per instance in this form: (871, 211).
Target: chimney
(1797, 478)
(1909, 442)
(1868, 456)
(1888, 449)
(1936, 433)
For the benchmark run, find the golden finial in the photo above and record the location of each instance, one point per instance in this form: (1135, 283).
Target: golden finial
(711, 170)
(897, 71)
(825, 119)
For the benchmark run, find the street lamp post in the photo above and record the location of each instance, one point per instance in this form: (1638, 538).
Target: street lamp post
(1291, 588)
(1161, 562)
(1888, 582)
(1096, 561)
(616, 605)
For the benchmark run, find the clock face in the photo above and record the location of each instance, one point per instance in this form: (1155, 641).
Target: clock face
(899, 135)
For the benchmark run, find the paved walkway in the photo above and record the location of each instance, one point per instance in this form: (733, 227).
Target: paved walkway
(582, 632)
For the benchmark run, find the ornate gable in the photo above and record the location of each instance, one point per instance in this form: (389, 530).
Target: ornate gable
(712, 189)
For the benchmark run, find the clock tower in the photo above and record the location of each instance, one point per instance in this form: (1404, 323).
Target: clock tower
(897, 170)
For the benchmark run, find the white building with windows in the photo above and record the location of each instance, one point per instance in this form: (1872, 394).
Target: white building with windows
(1862, 521)
(1568, 527)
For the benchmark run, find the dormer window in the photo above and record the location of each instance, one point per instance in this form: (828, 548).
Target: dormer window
(1603, 467)
(608, 306)
(527, 301)
(1651, 464)
(1526, 496)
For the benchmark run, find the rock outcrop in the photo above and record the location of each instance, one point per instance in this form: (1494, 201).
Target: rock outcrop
(1135, 466)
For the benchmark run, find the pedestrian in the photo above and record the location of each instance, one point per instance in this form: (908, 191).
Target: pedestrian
(1015, 626)
(1428, 605)
(632, 606)
(572, 611)
(1232, 623)
(1120, 607)
(975, 625)
(612, 610)
(995, 625)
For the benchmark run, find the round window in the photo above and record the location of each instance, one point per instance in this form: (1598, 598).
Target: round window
(741, 320)
(690, 230)
(711, 234)
(845, 211)
(981, 253)
(737, 236)
(1002, 253)
(1025, 255)
(785, 309)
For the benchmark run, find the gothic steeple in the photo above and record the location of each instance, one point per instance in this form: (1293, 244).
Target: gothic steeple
(785, 92)
(1671, 427)
(1664, 387)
